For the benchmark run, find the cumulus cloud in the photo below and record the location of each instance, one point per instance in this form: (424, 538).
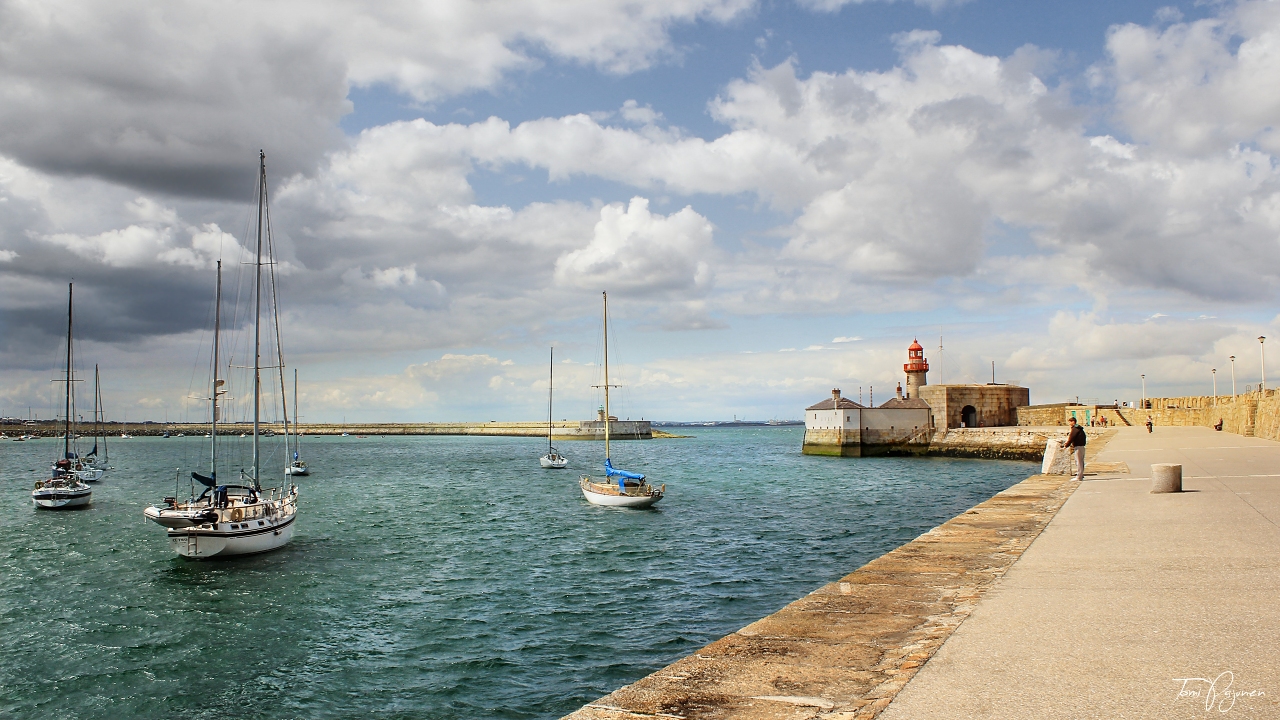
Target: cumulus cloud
(634, 250)
(951, 180)
(178, 99)
(155, 241)
(833, 5)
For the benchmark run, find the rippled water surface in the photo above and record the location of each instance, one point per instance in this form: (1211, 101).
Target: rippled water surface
(436, 577)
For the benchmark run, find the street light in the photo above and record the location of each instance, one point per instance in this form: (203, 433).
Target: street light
(1144, 392)
(1215, 385)
(1263, 349)
(1233, 376)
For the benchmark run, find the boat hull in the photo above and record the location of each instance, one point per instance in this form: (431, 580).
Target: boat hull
(61, 498)
(201, 544)
(557, 463)
(89, 475)
(297, 470)
(596, 494)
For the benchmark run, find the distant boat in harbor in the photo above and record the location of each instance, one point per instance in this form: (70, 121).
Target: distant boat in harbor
(553, 460)
(297, 466)
(94, 459)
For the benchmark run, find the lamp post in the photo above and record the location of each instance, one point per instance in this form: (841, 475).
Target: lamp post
(1215, 385)
(1233, 376)
(1144, 392)
(1263, 349)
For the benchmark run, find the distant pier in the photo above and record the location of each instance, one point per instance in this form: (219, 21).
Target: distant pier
(562, 430)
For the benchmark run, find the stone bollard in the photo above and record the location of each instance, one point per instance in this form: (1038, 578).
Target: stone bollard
(1166, 478)
(1057, 460)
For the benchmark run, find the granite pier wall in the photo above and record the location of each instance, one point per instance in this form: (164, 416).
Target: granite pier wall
(996, 443)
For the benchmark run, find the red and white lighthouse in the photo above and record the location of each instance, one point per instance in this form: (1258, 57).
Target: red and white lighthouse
(916, 367)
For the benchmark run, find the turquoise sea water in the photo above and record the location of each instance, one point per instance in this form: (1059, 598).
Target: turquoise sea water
(435, 577)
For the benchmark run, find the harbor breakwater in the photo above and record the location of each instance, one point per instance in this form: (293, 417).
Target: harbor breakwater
(845, 650)
(561, 430)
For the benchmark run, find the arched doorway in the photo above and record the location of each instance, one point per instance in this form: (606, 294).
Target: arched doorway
(969, 416)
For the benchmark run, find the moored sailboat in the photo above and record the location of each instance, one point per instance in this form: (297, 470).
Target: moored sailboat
(94, 460)
(297, 466)
(619, 488)
(65, 488)
(553, 460)
(241, 518)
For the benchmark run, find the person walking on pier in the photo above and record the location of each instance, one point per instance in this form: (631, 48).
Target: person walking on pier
(1075, 442)
(1149, 424)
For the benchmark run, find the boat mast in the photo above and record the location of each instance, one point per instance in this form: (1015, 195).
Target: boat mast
(66, 434)
(97, 412)
(257, 320)
(606, 375)
(295, 413)
(275, 320)
(217, 324)
(551, 388)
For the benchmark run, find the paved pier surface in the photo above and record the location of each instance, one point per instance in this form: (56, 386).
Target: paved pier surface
(1125, 594)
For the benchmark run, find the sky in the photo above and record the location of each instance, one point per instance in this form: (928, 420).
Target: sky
(778, 196)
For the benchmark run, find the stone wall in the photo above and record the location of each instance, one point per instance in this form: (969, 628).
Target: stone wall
(1002, 443)
(1256, 414)
(996, 405)
(1060, 413)
(866, 442)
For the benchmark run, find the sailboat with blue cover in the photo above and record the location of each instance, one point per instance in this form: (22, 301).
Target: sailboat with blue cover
(618, 488)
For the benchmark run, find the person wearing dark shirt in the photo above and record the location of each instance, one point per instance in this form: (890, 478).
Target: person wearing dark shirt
(1075, 443)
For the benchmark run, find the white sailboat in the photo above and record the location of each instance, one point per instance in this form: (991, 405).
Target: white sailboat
(553, 460)
(619, 488)
(244, 518)
(65, 488)
(95, 460)
(297, 466)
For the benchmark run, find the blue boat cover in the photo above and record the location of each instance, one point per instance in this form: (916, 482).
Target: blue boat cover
(205, 481)
(611, 471)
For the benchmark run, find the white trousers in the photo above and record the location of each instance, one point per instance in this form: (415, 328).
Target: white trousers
(1079, 463)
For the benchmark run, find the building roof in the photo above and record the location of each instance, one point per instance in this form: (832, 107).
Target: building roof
(831, 404)
(906, 403)
(915, 345)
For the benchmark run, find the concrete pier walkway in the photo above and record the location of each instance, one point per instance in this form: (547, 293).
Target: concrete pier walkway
(1129, 604)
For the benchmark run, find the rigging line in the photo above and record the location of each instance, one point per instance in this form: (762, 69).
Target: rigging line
(275, 313)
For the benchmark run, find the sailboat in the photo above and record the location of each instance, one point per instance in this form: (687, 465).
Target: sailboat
(93, 459)
(297, 466)
(553, 460)
(619, 488)
(65, 488)
(243, 518)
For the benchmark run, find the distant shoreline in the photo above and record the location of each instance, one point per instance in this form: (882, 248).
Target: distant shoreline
(561, 430)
